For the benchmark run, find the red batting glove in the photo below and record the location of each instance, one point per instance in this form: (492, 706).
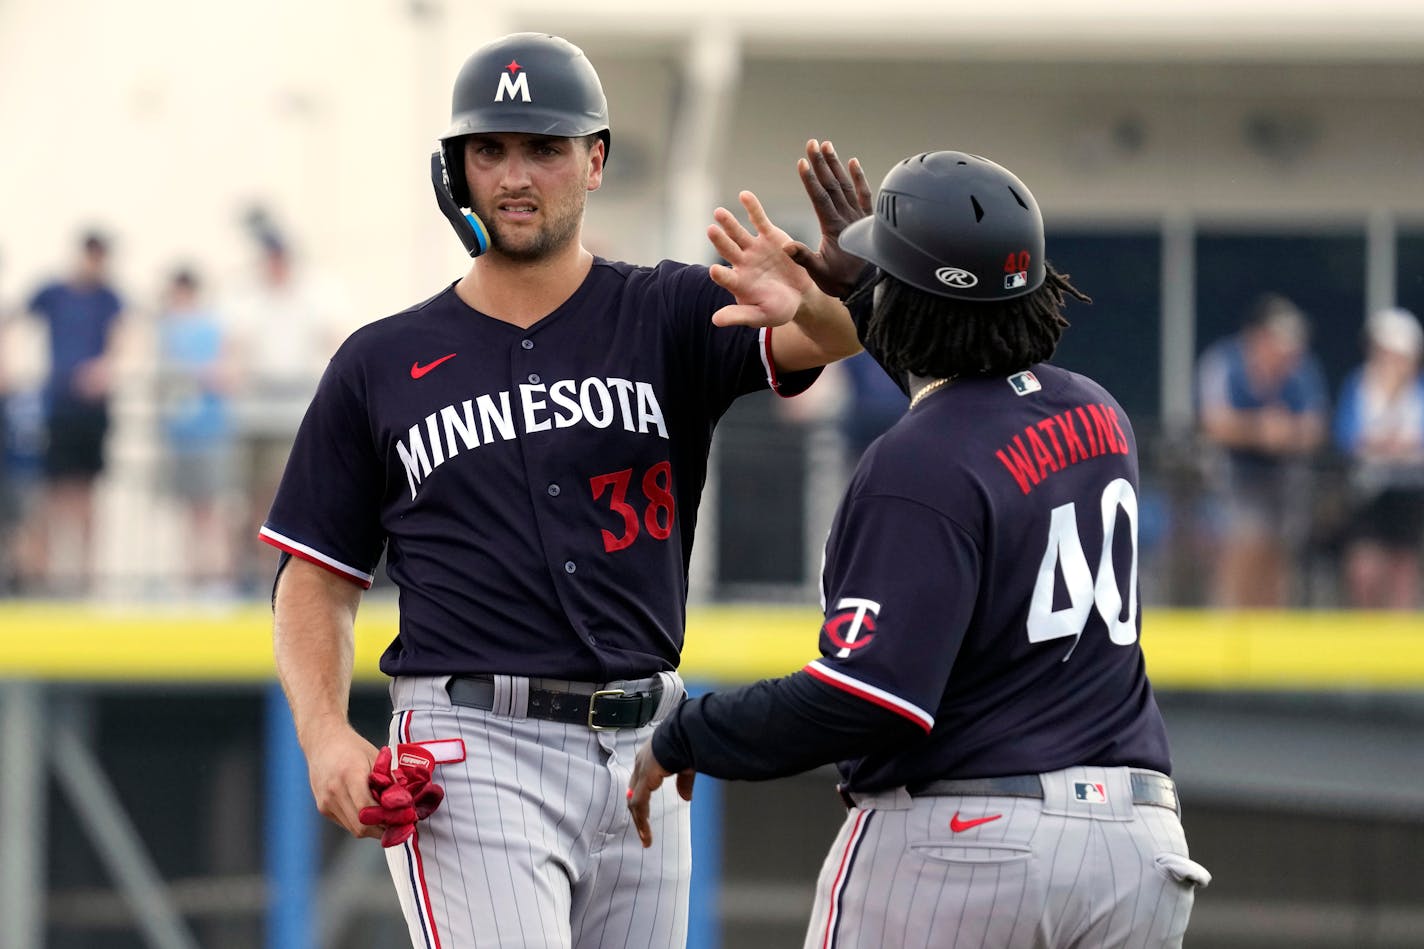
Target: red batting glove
(414, 768)
(404, 795)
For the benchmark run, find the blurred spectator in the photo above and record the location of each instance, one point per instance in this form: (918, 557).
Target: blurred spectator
(9, 502)
(194, 379)
(1379, 425)
(874, 402)
(80, 313)
(284, 326)
(1263, 405)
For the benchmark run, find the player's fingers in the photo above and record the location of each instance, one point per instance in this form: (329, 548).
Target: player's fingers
(833, 177)
(685, 780)
(734, 314)
(638, 797)
(733, 228)
(737, 284)
(361, 799)
(833, 164)
(818, 166)
(755, 212)
(821, 202)
(724, 277)
(800, 254)
(341, 803)
(815, 266)
(724, 245)
(350, 820)
(644, 828)
(812, 159)
(864, 195)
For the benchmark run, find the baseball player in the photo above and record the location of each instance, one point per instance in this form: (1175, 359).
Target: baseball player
(980, 682)
(528, 448)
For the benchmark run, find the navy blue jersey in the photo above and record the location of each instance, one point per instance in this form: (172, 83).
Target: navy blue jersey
(535, 490)
(981, 583)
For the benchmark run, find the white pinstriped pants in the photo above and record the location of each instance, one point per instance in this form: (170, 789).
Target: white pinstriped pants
(1043, 874)
(533, 846)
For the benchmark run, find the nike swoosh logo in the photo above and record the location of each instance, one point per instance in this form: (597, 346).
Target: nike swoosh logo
(959, 826)
(417, 370)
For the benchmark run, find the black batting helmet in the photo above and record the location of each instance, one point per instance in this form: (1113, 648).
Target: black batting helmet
(523, 82)
(955, 225)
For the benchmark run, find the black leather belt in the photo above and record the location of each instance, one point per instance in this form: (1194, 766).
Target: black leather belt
(1147, 788)
(598, 709)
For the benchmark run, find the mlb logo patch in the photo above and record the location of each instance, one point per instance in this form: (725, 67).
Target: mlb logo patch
(1015, 280)
(1024, 383)
(1090, 793)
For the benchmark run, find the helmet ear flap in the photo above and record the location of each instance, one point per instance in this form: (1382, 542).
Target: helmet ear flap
(467, 224)
(452, 156)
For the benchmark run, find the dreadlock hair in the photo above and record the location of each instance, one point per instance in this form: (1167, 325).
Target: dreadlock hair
(938, 337)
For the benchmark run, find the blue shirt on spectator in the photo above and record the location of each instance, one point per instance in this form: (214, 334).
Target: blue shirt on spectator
(876, 402)
(1225, 380)
(195, 413)
(79, 321)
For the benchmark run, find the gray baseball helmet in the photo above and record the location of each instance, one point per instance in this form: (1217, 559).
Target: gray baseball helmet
(955, 225)
(523, 82)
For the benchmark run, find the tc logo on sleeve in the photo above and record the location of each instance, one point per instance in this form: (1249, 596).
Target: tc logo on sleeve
(852, 626)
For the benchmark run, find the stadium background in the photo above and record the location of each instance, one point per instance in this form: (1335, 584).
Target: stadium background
(1187, 156)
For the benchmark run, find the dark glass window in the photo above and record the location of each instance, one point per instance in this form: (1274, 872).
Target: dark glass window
(1409, 274)
(1324, 274)
(1117, 339)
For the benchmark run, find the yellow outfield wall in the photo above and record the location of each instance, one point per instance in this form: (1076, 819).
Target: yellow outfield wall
(1184, 648)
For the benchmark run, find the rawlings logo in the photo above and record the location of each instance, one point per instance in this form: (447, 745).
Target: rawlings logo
(956, 277)
(414, 760)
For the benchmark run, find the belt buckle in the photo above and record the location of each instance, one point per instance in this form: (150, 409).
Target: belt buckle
(593, 705)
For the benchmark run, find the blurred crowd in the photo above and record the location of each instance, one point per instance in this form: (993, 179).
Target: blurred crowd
(1267, 416)
(1284, 475)
(1285, 479)
(221, 380)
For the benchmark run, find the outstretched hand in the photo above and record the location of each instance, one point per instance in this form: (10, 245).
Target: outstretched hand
(839, 195)
(646, 778)
(769, 286)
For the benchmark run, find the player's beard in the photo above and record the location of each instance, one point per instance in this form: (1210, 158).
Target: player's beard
(562, 222)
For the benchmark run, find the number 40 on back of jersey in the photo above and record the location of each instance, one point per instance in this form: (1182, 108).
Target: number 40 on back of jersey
(1085, 593)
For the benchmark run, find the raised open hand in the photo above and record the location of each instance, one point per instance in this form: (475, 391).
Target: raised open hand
(769, 286)
(839, 195)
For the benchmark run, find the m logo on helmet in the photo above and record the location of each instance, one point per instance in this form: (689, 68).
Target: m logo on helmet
(512, 84)
(956, 277)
